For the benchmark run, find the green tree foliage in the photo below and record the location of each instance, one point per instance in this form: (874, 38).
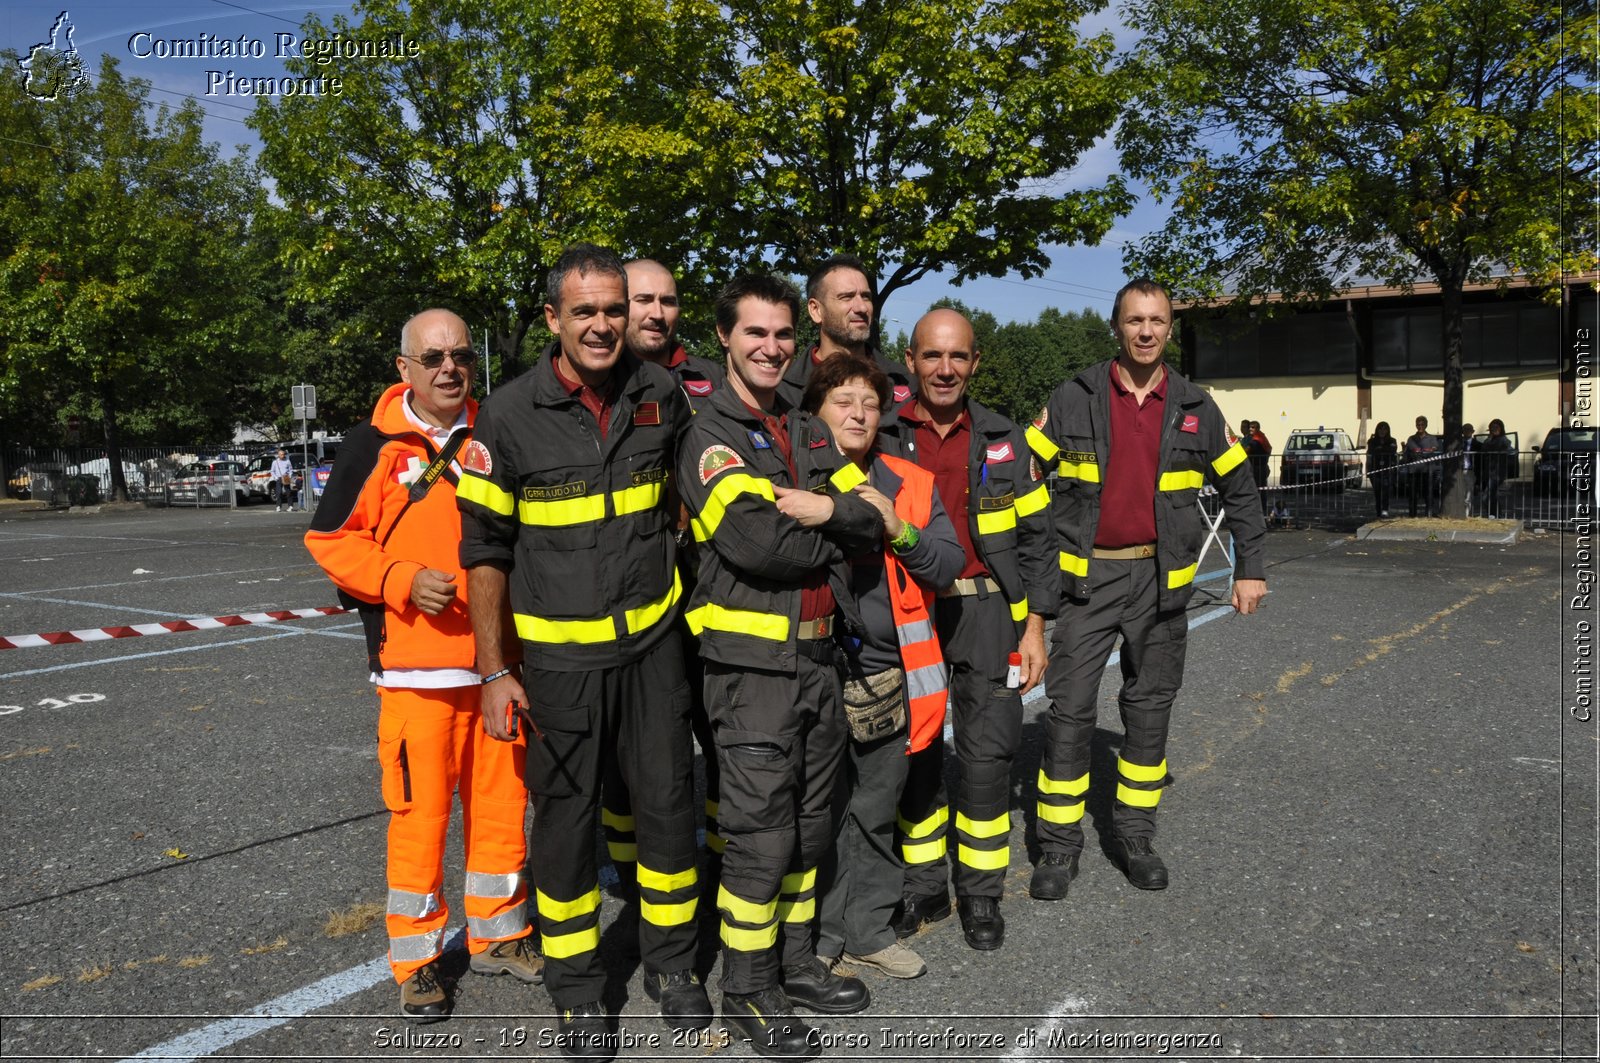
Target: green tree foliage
(1022, 362)
(455, 177)
(921, 135)
(1306, 144)
(128, 295)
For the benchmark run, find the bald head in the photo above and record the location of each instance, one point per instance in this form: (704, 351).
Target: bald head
(439, 393)
(942, 356)
(424, 323)
(652, 332)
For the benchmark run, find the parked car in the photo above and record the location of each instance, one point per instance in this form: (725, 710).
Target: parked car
(41, 481)
(208, 483)
(258, 477)
(1320, 456)
(1563, 448)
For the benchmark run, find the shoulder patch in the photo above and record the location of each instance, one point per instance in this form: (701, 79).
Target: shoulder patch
(699, 388)
(1033, 469)
(902, 392)
(716, 458)
(999, 452)
(476, 459)
(1043, 419)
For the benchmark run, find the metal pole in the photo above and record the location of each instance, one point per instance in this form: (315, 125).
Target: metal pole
(305, 462)
(488, 383)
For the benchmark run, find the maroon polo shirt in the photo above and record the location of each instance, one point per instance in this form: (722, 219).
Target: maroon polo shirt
(1128, 495)
(816, 594)
(948, 457)
(594, 401)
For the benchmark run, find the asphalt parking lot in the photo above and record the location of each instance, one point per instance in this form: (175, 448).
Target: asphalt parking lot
(1382, 833)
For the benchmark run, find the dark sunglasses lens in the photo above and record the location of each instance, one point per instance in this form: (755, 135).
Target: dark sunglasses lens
(464, 358)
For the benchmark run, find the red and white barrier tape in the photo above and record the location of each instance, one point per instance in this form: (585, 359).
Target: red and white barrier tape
(166, 627)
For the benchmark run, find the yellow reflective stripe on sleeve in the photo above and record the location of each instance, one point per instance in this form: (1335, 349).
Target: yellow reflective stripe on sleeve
(1077, 566)
(1033, 501)
(1182, 480)
(847, 478)
(1041, 444)
(1141, 772)
(997, 521)
(799, 881)
(1229, 460)
(711, 809)
(1071, 787)
(588, 632)
(639, 499)
(728, 487)
(1138, 798)
(651, 879)
(562, 513)
(668, 914)
(797, 911)
(615, 820)
(486, 494)
(983, 828)
(1180, 577)
(741, 940)
(1061, 813)
(1019, 610)
(565, 946)
(714, 617)
(558, 911)
(927, 826)
(923, 852)
(743, 911)
(984, 859)
(1087, 471)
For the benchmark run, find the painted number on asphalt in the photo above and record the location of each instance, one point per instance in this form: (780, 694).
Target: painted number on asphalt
(54, 703)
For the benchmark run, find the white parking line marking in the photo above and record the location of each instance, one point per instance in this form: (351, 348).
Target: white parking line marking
(288, 633)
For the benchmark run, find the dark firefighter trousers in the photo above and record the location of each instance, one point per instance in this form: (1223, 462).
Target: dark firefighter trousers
(780, 746)
(1122, 601)
(636, 714)
(978, 637)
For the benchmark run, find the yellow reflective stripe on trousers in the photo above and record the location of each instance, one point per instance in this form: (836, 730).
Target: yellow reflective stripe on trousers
(997, 521)
(1087, 471)
(983, 828)
(744, 911)
(1142, 772)
(565, 946)
(1019, 610)
(923, 852)
(1033, 501)
(1229, 460)
(797, 911)
(799, 881)
(728, 487)
(1041, 445)
(622, 852)
(1060, 813)
(1180, 577)
(563, 512)
(927, 826)
(741, 940)
(984, 859)
(1182, 480)
(1138, 798)
(651, 879)
(640, 618)
(668, 914)
(559, 911)
(846, 479)
(1070, 787)
(616, 820)
(1077, 566)
(714, 617)
(475, 488)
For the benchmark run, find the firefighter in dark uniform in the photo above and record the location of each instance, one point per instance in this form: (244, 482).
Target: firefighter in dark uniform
(566, 514)
(652, 336)
(999, 503)
(1132, 443)
(772, 573)
(839, 298)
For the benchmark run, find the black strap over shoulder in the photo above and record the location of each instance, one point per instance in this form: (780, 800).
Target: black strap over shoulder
(424, 483)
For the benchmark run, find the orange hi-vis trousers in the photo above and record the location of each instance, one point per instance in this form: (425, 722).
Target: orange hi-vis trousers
(430, 742)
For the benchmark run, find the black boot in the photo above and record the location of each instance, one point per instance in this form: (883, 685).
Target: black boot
(769, 1021)
(1139, 862)
(981, 922)
(812, 985)
(683, 1000)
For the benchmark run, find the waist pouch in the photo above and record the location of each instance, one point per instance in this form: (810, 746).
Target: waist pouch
(875, 705)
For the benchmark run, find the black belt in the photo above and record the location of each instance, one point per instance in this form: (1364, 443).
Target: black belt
(823, 651)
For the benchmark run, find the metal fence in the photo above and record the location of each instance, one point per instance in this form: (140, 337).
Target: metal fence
(81, 476)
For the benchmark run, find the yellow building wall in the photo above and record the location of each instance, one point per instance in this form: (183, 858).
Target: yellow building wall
(1529, 404)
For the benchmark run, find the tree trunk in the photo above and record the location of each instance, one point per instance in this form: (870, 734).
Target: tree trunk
(1456, 486)
(108, 424)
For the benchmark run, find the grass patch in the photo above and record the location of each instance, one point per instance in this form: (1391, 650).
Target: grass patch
(352, 920)
(43, 982)
(94, 974)
(194, 961)
(271, 946)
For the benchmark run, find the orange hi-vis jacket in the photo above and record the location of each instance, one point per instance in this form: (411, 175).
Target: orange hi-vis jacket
(911, 603)
(372, 540)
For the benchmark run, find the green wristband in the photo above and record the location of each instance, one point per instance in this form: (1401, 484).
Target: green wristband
(906, 540)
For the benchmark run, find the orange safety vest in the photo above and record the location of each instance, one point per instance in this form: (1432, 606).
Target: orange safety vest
(927, 682)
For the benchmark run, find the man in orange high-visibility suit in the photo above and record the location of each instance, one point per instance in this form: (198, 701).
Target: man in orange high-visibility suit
(387, 534)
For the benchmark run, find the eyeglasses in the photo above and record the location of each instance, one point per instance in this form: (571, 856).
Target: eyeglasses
(464, 357)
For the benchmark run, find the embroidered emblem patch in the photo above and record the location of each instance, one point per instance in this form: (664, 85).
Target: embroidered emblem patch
(475, 458)
(715, 458)
(1003, 452)
(760, 441)
(647, 413)
(698, 388)
(1191, 423)
(902, 392)
(1034, 470)
(1043, 418)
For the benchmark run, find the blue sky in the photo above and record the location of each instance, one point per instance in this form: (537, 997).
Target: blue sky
(1079, 276)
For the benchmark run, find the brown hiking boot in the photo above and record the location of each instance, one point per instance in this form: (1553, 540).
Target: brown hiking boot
(422, 996)
(518, 957)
